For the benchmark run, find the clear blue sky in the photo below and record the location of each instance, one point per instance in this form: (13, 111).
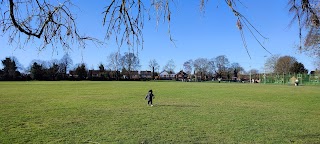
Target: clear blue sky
(197, 35)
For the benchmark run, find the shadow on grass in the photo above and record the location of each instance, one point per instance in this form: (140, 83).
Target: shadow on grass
(176, 105)
(308, 137)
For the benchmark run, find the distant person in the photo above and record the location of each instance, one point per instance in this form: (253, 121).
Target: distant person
(296, 83)
(149, 96)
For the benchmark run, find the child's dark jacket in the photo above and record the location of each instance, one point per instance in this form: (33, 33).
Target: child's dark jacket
(149, 96)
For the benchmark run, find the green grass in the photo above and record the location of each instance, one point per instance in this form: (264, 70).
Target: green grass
(116, 112)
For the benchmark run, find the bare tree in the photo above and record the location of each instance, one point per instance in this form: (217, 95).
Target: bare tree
(188, 66)
(170, 66)
(114, 62)
(221, 65)
(212, 67)
(270, 64)
(201, 66)
(65, 63)
(153, 64)
(284, 64)
(130, 62)
(254, 73)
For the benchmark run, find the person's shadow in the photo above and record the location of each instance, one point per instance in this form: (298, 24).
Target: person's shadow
(176, 105)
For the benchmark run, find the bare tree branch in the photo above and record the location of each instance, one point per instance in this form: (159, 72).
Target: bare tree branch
(124, 19)
(50, 23)
(53, 23)
(306, 12)
(241, 19)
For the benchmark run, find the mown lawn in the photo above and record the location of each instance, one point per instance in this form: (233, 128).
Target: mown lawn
(116, 112)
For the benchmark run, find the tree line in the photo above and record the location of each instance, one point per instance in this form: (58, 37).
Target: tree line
(220, 67)
(120, 65)
(59, 69)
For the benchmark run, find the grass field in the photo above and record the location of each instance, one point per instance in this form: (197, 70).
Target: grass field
(116, 112)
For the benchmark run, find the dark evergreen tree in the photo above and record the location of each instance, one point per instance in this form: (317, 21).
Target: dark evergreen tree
(9, 71)
(81, 71)
(37, 71)
(298, 67)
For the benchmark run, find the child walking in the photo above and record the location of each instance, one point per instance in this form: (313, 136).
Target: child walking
(150, 96)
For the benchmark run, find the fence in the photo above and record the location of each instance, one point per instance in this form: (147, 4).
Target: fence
(304, 79)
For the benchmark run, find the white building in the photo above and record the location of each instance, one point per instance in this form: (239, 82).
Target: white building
(164, 75)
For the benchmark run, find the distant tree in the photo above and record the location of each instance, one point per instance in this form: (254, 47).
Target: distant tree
(53, 71)
(37, 71)
(211, 68)
(114, 61)
(221, 64)
(81, 71)
(201, 66)
(124, 72)
(188, 66)
(254, 73)
(154, 64)
(65, 64)
(101, 68)
(1, 75)
(170, 66)
(18, 64)
(284, 64)
(130, 62)
(9, 71)
(154, 67)
(270, 64)
(298, 68)
(235, 69)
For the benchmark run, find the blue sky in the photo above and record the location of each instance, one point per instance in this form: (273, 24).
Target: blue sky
(197, 35)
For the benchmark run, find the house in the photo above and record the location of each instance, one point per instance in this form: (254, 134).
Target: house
(112, 75)
(316, 72)
(73, 74)
(132, 75)
(164, 75)
(181, 76)
(103, 75)
(94, 73)
(145, 74)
